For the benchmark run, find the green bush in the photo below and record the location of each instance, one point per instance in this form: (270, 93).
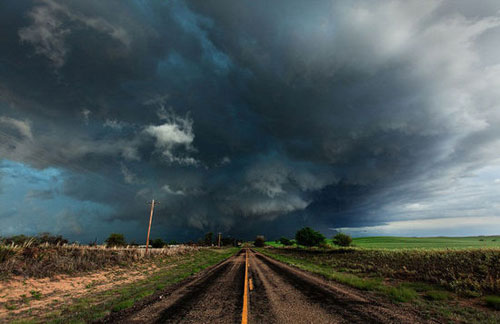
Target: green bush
(259, 241)
(158, 243)
(342, 239)
(309, 237)
(115, 239)
(285, 241)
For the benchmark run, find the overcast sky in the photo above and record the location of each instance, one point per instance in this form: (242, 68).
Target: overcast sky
(249, 117)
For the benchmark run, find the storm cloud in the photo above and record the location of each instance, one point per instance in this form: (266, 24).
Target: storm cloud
(249, 117)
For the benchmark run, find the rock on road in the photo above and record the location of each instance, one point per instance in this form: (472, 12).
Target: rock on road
(278, 294)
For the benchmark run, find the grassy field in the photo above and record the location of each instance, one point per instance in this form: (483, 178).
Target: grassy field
(439, 282)
(96, 303)
(395, 242)
(48, 260)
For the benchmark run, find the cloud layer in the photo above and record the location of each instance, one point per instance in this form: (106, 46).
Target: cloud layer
(250, 117)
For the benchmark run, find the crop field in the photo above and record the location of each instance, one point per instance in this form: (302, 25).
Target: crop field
(395, 242)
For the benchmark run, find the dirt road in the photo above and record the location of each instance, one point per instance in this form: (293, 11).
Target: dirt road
(276, 293)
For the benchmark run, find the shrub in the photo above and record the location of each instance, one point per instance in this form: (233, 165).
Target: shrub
(115, 239)
(285, 241)
(342, 239)
(259, 241)
(309, 237)
(158, 243)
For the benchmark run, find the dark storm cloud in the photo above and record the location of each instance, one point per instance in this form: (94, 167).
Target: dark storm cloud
(273, 115)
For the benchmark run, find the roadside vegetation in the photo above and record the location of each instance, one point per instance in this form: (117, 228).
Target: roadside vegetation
(439, 280)
(434, 300)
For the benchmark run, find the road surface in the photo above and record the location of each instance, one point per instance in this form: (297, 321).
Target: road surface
(274, 293)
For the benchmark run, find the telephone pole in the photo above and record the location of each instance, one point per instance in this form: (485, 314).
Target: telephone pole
(218, 239)
(150, 220)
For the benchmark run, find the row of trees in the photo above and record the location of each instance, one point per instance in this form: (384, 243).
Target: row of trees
(308, 237)
(116, 239)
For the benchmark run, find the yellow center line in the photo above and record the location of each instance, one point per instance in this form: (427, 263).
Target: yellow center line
(244, 313)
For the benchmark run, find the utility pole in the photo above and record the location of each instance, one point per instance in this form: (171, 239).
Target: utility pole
(150, 220)
(218, 239)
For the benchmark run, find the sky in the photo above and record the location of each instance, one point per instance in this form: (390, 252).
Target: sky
(249, 117)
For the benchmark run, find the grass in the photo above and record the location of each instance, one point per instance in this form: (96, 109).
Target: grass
(471, 272)
(431, 299)
(95, 306)
(493, 302)
(395, 242)
(48, 260)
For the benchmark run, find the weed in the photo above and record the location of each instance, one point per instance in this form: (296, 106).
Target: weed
(36, 294)
(400, 293)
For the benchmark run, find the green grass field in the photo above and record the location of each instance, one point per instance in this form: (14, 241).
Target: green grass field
(395, 242)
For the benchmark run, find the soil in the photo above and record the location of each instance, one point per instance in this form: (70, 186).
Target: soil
(52, 292)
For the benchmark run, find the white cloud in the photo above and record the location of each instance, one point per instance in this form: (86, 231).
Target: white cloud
(170, 191)
(128, 175)
(86, 115)
(176, 133)
(23, 127)
(49, 30)
(114, 124)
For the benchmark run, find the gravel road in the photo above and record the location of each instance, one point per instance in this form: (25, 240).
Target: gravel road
(278, 293)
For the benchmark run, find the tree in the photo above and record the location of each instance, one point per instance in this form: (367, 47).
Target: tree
(208, 238)
(158, 243)
(309, 237)
(342, 239)
(285, 241)
(115, 239)
(260, 241)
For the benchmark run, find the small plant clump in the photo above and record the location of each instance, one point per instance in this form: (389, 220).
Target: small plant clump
(342, 239)
(285, 241)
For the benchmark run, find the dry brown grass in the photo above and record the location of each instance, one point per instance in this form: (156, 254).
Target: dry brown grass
(48, 260)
